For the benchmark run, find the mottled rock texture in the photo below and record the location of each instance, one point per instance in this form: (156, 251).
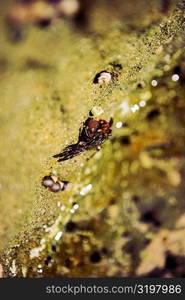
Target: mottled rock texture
(125, 202)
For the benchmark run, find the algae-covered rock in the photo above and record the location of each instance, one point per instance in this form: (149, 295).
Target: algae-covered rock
(102, 213)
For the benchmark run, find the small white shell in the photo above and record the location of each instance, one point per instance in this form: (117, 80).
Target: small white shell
(105, 77)
(47, 182)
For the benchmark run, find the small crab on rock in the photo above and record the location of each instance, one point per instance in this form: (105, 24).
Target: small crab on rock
(91, 136)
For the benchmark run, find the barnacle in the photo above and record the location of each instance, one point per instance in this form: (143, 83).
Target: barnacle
(134, 186)
(103, 77)
(54, 184)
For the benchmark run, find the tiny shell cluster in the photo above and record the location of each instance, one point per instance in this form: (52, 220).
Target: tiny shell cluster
(53, 184)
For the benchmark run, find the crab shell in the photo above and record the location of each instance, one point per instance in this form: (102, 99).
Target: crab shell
(97, 126)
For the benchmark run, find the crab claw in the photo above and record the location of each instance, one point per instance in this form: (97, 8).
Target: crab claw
(69, 152)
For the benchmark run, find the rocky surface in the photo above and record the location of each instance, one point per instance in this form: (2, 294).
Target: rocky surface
(123, 212)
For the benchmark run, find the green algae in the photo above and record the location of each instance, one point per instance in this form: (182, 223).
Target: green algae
(47, 92)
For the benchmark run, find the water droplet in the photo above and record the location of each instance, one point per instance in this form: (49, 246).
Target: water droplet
(119, 124)
(76, 206)
(142, 103)
(134, 108)
(39, 269)
(154, 83)
(175, 77)
(63, 208)
(58, 235)
(85, 189)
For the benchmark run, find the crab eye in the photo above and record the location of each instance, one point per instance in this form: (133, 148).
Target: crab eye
(111, 122)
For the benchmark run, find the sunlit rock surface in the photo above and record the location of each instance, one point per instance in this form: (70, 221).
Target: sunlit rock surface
(124, 203)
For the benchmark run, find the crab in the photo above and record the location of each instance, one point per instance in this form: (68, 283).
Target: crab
(91, 136)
